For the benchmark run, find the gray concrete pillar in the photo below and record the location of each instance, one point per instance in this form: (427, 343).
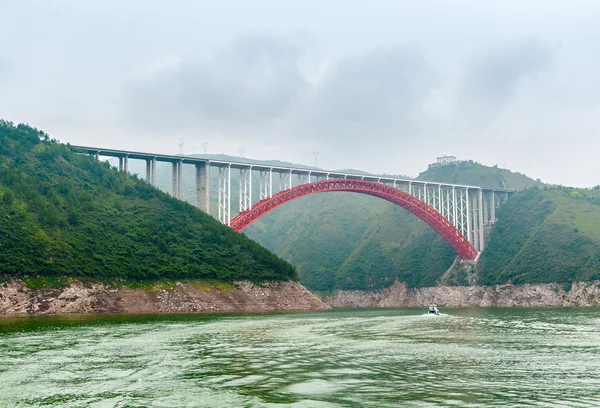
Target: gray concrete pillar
(120, 163)
(480, 213)
(180, 180)
(469, 217)
(126, 163)
(493, 207)
(474, 219)
(97, 156)
(203, 186)
(174, 180)
(486, 210)
(148, 171)
(154, 171)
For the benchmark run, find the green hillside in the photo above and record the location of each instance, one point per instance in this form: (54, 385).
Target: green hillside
(545, 235)
(475, 174)
(65, 214)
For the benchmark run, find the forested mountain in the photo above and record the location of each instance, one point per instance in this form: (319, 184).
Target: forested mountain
(65, 214)
(545, 235)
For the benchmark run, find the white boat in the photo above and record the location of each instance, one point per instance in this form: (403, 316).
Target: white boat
(433, 311)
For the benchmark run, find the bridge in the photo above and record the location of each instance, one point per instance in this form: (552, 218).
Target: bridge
(459, 213)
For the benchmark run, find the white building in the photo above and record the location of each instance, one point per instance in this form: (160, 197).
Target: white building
(446, 160)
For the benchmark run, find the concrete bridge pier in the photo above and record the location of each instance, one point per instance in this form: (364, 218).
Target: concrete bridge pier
(245, 189)
(266, 184)
(174, 180)
(225, 194)
(203, 186)
(149, 171)
(153, 180)
(493, 207)
(180, 179)
(480, 221)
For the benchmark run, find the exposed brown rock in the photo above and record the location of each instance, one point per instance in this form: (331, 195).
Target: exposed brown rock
(534, 295)
(17, 298)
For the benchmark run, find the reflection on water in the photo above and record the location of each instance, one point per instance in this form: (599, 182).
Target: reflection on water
(340, 358)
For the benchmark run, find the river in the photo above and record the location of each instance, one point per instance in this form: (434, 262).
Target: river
(469, 357)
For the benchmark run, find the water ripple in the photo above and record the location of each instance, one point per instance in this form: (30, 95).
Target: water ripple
(342, 358)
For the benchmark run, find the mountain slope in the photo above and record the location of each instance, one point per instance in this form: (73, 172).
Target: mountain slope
(400, 246)
(64, 214)
(545, 235)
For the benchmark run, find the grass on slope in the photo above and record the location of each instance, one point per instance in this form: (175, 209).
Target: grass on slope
(545, 235)
(476, 174)
(64, 214)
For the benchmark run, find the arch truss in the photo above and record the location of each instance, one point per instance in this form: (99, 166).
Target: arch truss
(449, 217)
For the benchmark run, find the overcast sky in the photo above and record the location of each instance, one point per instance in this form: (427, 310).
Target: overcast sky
(382, 86)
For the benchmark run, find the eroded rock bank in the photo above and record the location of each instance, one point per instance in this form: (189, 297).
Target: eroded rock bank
(528, 295)
(17, 298)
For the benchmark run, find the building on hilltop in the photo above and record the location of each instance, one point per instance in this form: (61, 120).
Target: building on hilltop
(446, 160)
(443, 160)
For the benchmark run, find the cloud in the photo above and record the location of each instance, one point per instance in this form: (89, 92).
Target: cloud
(256, 84)
(493, 75)
(252, 81)
(381, 92)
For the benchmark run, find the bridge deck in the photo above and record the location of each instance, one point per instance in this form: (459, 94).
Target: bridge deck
(278, 169)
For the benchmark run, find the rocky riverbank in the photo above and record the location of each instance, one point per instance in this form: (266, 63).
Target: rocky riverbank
(529, 295)
(17, 298)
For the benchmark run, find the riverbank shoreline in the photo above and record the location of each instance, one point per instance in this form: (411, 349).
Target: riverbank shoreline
(577, 294)
(17, 298)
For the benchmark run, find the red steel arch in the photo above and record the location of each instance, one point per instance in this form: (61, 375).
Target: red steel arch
(430, 215)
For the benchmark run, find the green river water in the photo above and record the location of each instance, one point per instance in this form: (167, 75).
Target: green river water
(470, 357)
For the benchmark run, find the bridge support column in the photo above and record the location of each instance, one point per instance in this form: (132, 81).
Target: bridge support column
(120, 163)
(473, 219)
(246, 189)
(203, 186)
(153, 171)
(303, 179)
(455, 209)
(225, 194)
(469, 214)
(480, 223)
(174, 180)
(285, 181)
(180, 180)
(126, 163)
(486, 208)
(266, 184)
(493, 207)
(148, 171)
